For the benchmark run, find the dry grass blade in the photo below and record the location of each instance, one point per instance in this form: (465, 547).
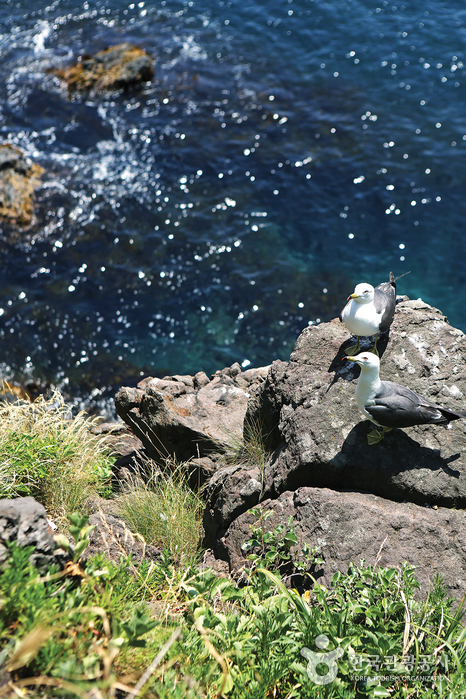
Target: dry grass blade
(45, 682)
(29, 647)
(406, 642)
(215, 654)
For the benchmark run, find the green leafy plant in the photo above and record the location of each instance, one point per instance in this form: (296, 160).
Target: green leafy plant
(79, 530)
(272, 549)
(139, 624)
(68, 637)
(65, 633)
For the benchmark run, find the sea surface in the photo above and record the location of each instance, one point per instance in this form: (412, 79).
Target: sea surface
(284, 151)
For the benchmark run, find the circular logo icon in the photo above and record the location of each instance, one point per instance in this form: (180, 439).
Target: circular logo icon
(328, 658)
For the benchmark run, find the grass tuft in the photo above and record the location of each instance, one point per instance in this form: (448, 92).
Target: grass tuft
(47, 453)
(252, 449)
(163, 508)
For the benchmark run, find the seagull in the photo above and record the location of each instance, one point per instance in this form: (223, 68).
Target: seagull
(389, 405)
(370, 311)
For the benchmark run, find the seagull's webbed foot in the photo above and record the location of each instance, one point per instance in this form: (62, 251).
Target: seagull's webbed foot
(374, 436)
(354, 349)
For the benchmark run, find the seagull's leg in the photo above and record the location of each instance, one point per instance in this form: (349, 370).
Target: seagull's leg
(354, 349)
(374, 436)
(374, 349)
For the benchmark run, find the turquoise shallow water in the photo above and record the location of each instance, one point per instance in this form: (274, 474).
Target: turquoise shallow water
(284, 152)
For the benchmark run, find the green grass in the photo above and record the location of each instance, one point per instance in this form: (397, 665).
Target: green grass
(252, 450)
(49, 454)
(164, 510)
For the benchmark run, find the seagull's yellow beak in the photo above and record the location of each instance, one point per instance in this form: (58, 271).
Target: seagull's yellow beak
(348, 359)
(352, 296)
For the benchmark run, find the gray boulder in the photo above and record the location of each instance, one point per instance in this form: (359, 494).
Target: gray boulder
(350, 526)
(307, 412)
(189, 417)
(24, 521)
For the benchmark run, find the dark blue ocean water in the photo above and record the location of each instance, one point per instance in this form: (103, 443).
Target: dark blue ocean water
(285, 151)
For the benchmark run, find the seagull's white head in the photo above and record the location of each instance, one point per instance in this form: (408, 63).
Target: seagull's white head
(366, 360)
(363, 293)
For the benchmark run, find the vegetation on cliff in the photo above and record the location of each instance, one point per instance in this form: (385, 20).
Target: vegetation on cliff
(171, 628)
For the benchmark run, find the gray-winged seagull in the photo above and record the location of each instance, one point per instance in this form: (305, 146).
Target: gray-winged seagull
(370, 311)
(389, 405)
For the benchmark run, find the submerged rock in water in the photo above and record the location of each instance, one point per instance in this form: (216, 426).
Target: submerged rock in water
(113, 68)
(18, 179)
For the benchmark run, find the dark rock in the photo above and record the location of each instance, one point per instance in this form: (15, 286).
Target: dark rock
(18, 179)
(350, 526)
(114, 68)
(307, 410)
(125, 446)
(112, 537)
(24, 521)
(222, 508)
(210, 562)
(186, 417)
(201, 470)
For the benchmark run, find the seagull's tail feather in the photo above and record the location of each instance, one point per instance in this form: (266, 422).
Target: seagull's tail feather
(394, 279)
(450, 415)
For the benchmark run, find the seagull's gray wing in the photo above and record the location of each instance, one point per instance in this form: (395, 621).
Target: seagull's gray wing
(397, 406)
(344, 308)
(385, 303)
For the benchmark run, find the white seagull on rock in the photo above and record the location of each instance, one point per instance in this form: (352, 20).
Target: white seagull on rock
(370, 311)
(389, 405)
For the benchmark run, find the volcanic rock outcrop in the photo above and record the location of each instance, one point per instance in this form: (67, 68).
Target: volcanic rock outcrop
(403, 499)
(189, 417)
(24, 521)
(322, 471)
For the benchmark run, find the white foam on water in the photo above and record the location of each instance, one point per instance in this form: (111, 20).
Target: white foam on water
(43, 32)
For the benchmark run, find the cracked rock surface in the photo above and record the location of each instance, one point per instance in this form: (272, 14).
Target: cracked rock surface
(189, 417)
(349, 526)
